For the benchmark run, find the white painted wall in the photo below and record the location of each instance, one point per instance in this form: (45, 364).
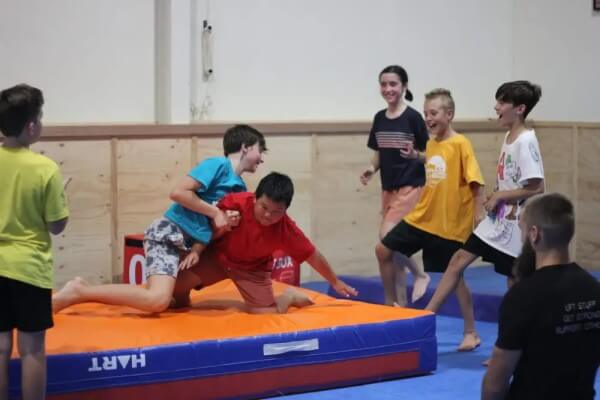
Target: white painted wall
(94, 59)
(299, 59)
(557, 44)
(320, 59)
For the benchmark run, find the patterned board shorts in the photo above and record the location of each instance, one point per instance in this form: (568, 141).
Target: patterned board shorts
(163, 241)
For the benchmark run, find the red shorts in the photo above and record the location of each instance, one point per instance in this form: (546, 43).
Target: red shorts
(255, 286)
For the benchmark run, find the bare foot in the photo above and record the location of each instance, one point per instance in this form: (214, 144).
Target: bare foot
(70, 294)
(292, 297)
(470, 342)
(420, 287)
(299, 299)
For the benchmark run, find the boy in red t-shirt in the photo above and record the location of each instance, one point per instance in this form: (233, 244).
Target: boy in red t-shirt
(245, 253)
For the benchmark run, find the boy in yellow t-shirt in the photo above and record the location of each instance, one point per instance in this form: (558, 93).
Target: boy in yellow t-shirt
(33, 205)
(450, 205)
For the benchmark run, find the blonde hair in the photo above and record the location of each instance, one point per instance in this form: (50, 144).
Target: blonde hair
(445, 95)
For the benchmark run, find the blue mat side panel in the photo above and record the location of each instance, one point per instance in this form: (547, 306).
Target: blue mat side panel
(85, 371)
(370, 290)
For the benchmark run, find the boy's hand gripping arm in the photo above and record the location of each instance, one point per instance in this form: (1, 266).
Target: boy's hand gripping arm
(185, 194)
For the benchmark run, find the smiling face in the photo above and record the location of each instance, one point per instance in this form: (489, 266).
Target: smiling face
(508, 113)
(391, 88)
(268, 212)
(437, 116)
(252, 157)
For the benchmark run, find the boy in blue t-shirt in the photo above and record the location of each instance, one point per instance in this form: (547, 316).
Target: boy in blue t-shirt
(187, 222)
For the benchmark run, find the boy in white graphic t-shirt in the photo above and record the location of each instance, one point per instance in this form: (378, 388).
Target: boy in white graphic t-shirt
(520, 175)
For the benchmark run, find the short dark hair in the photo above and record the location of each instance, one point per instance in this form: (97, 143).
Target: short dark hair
(239, 135)
(277, 187)
(401, 72)
(19, 105)
(554, 216)
(520, 92)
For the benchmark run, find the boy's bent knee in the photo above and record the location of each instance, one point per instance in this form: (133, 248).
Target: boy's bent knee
(382, 252)
(459, 262)
(158, 302)
(31, 343)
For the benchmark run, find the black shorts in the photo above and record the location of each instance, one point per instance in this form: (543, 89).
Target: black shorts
(503, 263)
(25, 307)
(407, 239)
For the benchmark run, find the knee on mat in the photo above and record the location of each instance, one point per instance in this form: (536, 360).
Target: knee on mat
(158, 302)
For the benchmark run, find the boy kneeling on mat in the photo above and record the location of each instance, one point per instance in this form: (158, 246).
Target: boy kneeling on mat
(244, 254)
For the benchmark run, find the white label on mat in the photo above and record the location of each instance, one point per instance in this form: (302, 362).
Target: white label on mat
(272, 349)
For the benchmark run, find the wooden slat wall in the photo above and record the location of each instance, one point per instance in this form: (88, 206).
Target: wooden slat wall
(587, 182)
(122, 176)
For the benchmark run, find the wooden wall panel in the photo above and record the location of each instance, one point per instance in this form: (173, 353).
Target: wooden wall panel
(556, 146)
(487, 150)
(147, 171)
(588, 199)
(347, 213)
(84, 248)
(206, 147)
(122, 178)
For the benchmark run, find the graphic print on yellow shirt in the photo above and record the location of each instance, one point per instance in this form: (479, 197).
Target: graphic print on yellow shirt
(445, 208)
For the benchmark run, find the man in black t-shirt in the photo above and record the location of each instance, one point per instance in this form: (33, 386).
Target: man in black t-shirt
(549, 327)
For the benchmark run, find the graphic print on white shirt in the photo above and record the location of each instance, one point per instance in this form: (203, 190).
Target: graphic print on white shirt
(518, 162)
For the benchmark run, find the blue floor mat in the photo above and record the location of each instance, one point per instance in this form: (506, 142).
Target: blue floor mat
(458, 376)
(487, 289)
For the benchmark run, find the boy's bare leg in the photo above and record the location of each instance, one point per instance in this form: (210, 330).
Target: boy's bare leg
(186, 281)
(225, 304)
(400, 288)
(290, 297)
(32, 351)
(421, 278)
(458, 263)
(5, 352)
(471, 339)
(155, 297)
(388, 272)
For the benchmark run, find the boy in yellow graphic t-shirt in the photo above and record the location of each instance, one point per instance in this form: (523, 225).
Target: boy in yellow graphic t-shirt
(449, 207)
(33, 205)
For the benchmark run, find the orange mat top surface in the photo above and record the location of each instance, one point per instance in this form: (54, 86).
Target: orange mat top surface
(97, 327)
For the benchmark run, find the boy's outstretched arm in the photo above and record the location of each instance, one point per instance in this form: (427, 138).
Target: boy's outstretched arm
(321, 265)
(534, 186)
